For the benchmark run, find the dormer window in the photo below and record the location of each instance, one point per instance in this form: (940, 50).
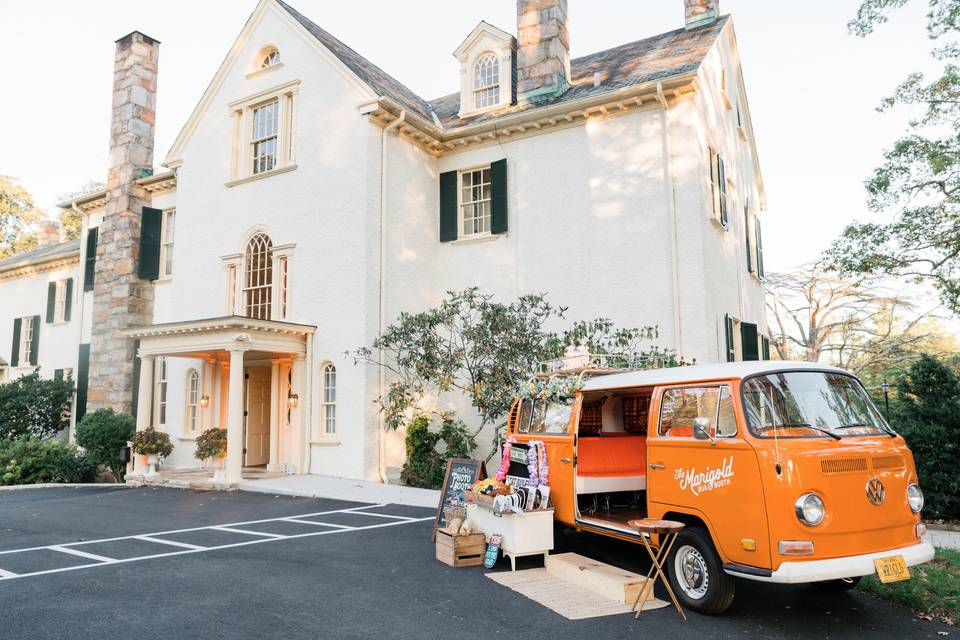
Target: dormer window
(270, 58)
(486, 81)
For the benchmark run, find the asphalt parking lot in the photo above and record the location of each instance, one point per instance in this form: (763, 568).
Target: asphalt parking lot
(167, 563)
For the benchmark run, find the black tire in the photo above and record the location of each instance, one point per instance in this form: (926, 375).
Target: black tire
(706, 588)
(839, 586)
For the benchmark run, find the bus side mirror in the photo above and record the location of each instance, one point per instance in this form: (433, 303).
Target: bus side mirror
(701, 429)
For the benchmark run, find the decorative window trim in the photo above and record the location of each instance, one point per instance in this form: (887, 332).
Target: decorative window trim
(192, 412)
(160, 389)
(241, 164)
(60, 302)
(488, 216)
(489, 90)
(328, 403)
(234, 272)
(167, 246)
(27, 343)
(718, 183)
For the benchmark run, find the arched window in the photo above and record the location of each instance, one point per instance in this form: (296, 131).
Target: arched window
(160, 392)
(193, 401)
(258, 277)
(329, 403)
(270, 58)
(486, 81)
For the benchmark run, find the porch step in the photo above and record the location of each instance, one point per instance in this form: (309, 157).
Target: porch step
(607, 580)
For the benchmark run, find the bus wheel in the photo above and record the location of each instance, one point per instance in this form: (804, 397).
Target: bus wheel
(696, 573)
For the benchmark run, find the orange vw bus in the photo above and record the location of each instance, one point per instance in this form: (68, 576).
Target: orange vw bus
(782, 472)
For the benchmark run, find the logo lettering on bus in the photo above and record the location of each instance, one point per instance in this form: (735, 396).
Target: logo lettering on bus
(703, 481)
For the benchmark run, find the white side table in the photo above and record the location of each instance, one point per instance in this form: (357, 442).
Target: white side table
(524, 534)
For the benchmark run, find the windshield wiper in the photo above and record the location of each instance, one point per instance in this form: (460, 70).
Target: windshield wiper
(886, 430)
(806, 425)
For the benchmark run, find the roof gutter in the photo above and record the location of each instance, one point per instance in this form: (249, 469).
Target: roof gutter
(672, 208)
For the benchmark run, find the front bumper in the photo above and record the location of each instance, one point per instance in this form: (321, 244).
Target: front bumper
(796, 572)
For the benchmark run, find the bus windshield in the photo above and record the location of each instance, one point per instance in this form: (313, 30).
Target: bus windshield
(808, 404)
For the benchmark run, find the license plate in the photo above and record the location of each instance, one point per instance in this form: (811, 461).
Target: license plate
(892, 569)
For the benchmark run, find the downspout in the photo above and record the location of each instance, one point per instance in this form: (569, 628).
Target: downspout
(84, 224)
(672, 204)
(382, 320)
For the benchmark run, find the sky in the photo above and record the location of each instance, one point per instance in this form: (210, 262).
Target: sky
(812, 87)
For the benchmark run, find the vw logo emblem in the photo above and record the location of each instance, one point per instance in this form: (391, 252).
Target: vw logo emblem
(875, 491)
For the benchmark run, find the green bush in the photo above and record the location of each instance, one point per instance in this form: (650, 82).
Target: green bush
(425, 466)
(928, 417)
(211, 444)
(103, 434)
(151, 442)
(35, 406)
(28, 460)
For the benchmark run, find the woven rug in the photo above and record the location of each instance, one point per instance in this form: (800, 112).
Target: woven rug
(566, 598)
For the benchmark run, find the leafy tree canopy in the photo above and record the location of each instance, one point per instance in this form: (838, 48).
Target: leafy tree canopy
(918, 184)
(70, 220)
(18, 217)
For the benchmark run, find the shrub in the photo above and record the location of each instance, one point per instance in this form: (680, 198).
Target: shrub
(103, 434)
(29, 460)
(35, 406)
(928, 417)
(211, 444)
(425, 466)
(151, 442)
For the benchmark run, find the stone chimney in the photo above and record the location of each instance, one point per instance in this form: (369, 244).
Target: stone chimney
(121, 299)
(700, 12)
(543, 52)
(48, 233)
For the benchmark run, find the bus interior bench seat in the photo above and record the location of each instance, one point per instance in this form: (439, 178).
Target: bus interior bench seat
(611, 462)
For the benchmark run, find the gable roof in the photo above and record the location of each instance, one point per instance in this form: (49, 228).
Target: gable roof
(47, 253)
(656, 58)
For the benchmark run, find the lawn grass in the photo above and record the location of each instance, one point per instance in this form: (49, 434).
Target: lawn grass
(933, 590)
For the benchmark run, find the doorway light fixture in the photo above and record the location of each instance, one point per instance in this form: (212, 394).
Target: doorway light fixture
(293, 400)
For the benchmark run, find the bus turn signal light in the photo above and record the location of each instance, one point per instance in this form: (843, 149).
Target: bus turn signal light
(748, 543)
(795, 547)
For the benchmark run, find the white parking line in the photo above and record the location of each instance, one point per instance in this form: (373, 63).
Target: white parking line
(170, 542)
(82, 554)
(186, 548)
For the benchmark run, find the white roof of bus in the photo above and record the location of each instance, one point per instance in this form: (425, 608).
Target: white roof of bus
(696, 373)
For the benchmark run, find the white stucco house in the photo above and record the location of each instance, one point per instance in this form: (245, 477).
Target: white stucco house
(310, 198)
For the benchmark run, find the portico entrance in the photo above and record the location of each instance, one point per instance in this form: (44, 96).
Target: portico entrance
(255, 383)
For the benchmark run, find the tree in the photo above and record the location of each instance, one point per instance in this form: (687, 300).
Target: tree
(18, 217)
(103, 434)
(70, 219)
(820, 317)
(35, 406)
(919, 182)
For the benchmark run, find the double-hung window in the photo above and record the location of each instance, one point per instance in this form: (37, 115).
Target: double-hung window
(193, 402)
(330, 400)
(475, 197)
(486, 81)
(161, 392)
(60, 301)
(27, 340)
(265, 136)
(166, 243)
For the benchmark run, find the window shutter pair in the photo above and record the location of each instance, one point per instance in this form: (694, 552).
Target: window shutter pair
(150, 222)
(449, 215)
(52, 300)
(90, 262)
(749, 341)
(730, 344)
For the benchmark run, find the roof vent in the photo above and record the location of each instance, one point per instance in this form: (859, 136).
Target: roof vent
(596, 78)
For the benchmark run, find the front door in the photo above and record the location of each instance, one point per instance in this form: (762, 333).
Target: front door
(257, 441)
(716, 478)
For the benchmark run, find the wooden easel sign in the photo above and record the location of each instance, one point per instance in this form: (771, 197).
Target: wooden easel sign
(461, 474)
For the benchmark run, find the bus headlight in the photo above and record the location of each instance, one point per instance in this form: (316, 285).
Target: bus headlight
(809, 508)
(915, 497)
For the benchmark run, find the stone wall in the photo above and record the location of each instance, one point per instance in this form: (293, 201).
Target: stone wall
(700, 12)
(543, 54)
(121, 299)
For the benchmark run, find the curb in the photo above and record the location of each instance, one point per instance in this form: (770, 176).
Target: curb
(942, 527)
(64, 485)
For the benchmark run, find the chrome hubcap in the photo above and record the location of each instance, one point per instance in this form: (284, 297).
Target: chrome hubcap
(691, 571)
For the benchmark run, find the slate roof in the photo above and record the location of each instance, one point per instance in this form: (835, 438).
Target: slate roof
(43, 254)
(656, 58)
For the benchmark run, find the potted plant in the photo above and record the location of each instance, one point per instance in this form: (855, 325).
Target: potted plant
(212, 446)
(151, 443)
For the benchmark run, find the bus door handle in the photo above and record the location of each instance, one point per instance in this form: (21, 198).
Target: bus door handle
(657, 465)
(564, 459)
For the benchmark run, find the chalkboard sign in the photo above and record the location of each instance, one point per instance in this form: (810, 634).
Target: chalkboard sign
(461, 475)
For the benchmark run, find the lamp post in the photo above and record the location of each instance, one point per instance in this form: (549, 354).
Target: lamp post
(886, 399)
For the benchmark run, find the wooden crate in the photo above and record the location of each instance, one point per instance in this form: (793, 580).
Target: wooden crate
(461, 551)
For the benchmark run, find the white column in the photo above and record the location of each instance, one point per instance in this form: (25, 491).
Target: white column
(298, 424)
(145, 393)
(235, 417)
(278, 404)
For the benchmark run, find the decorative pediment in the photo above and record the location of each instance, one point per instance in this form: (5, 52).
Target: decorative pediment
(486, 70)
(483, 31)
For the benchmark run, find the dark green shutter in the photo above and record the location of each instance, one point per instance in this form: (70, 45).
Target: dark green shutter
(728, 334)
(759, 240)
(448, 206)
(136, 378)
(150, 221)
(51, 300)
(15, 352)
(35, 341)
(723, 191)
(498, 196)
(749, 344)
(746, 233)
(58, 374)
(765, 343)
(83, 377)
(69, 300)
(90, 261)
